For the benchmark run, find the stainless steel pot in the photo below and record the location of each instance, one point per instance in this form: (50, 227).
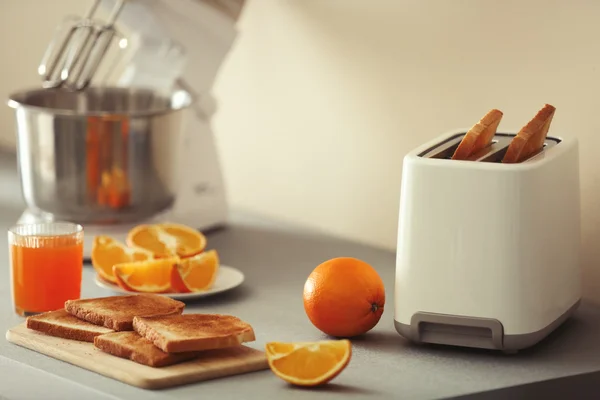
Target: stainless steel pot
(103, 155)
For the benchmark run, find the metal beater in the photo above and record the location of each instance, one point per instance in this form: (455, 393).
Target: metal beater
(80, 52)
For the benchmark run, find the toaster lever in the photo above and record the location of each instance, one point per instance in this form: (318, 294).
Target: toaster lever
(485, 333)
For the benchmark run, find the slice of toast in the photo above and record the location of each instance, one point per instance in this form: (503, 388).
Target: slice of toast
(194, 332)
(61, 324)
(132, 346)
(531, 137)
(479, 136)
(117, 312)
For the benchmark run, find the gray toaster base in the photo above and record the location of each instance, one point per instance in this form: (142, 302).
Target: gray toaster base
(484, 333)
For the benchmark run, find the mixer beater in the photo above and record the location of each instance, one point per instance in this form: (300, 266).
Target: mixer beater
(72, 59)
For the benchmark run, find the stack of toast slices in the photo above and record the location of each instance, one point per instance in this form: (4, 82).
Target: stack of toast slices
(148, 329)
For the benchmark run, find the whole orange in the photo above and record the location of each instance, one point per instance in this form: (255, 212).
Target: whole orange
(344, 297)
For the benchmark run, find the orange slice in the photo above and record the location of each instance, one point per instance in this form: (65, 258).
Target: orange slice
(166, 240)
(107, 252)
(152, 276)
(310, 363)
(197, 273)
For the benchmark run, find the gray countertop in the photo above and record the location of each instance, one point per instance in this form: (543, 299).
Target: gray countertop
(276, 261)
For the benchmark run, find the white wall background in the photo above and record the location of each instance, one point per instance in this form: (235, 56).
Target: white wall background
(320, 99)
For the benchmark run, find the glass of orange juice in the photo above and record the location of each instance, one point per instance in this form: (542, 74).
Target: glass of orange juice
(46, 262)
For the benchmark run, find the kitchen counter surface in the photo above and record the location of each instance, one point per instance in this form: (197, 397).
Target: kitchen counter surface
(276, 260)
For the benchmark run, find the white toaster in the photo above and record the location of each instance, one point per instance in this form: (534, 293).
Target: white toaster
(488, 253)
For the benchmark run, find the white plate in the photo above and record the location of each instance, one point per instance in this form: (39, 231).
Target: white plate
(227, 279)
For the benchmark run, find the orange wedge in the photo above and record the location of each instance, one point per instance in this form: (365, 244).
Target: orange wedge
(309, 363)
(152, 276)
(197, 273)
(107, 252)
(166, 240)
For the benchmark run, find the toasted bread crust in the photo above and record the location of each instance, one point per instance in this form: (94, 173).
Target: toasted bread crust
(194, 332)
(479, 136)
(531, 137)
(117, 312)
(64, 325)
(132, 346)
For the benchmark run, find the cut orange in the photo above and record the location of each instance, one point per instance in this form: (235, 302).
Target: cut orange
(152, 276)
(309, 363)
(166, 240)
(197, 273)
(107, 252)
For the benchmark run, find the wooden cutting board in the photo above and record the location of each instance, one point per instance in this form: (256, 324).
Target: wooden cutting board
(217, 364)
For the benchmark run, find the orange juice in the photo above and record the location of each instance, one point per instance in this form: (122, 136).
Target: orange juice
(46, 270)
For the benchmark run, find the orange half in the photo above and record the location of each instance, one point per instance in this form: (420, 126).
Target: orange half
(107, 252)
(152, 276)
(166, 240)
(197, 273)
(309, 363)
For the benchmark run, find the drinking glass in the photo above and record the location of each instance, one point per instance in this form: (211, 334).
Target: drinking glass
(46, 263)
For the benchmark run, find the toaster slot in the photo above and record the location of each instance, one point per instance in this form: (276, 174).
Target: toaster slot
(454, 330)
(499, 150)
(492, 153)
(443, 150)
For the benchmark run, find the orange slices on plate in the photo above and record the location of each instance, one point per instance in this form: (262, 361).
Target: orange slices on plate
(160, 258)
(106, 252)
(310, 363)
(167, 240)
(169, 275)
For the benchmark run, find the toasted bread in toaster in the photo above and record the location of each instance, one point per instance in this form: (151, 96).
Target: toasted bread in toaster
(132, 346)
(194, 332)
(531, 137)
(61, 324)
(117, 312)
(479, 136)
